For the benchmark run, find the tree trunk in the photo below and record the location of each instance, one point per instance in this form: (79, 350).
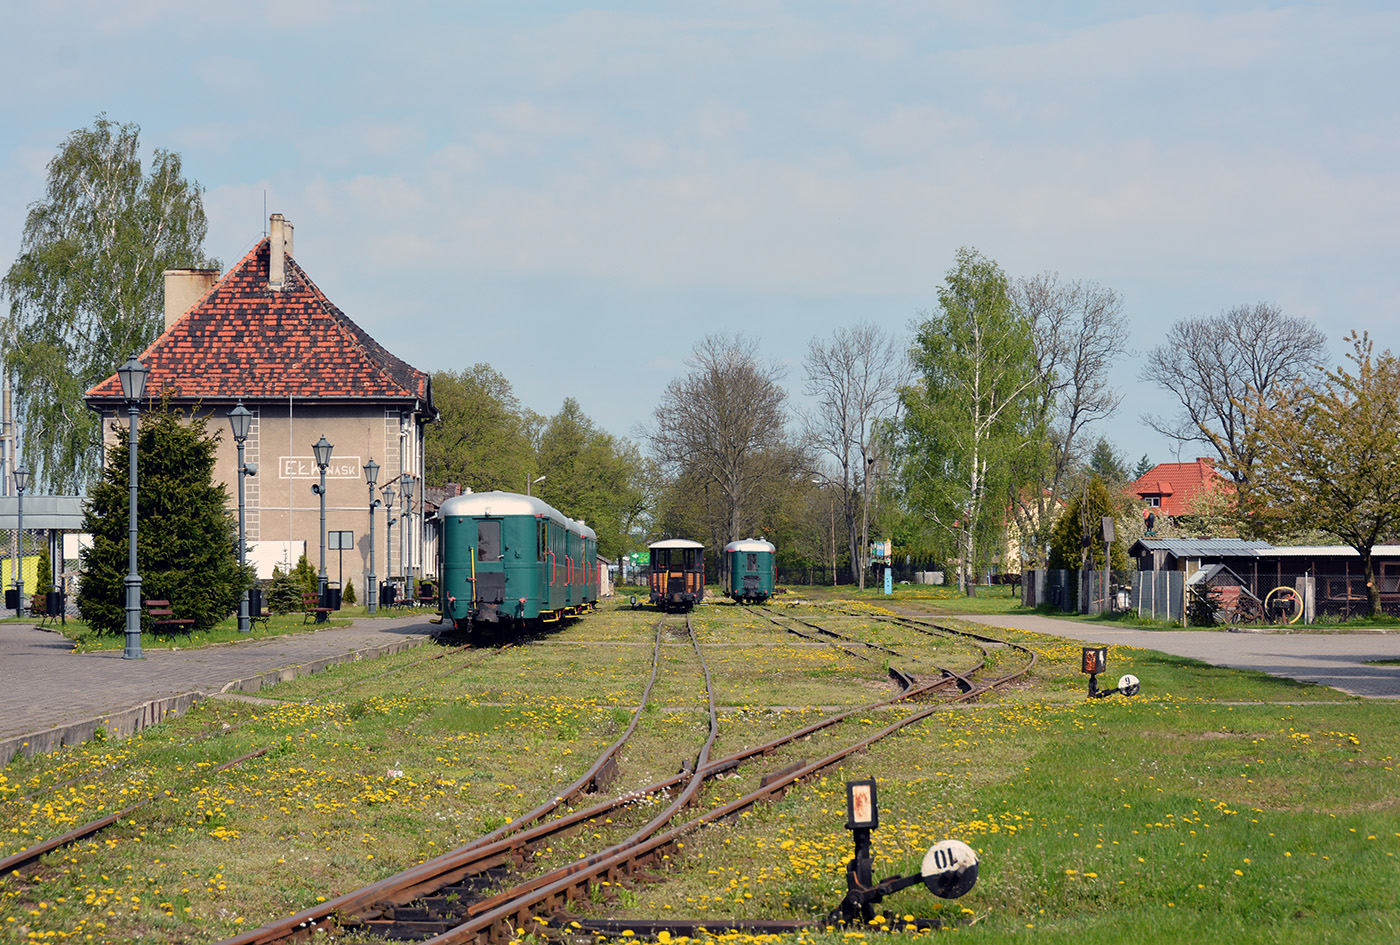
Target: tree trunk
(1373, 591)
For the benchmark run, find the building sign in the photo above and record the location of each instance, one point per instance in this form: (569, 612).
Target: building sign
(304, 467)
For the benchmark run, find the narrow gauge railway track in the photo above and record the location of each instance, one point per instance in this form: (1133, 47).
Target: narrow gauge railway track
(448, 883)
(26, 857)
(848, 645)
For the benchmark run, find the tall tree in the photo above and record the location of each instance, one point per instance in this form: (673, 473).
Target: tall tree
(715, 424)
(1214, 366)
(970, 411)
(1077, 542)
(591, 475)
(1325, 455)
(484, 439)
(187, 540)
(87, 291)
(1078, 330)
(854, 379)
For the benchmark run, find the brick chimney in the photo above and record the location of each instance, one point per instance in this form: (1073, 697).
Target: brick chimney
(279, 233)
(183, 288)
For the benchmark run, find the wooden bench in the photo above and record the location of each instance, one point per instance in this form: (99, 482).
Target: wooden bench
(310, 607)
(163, 619)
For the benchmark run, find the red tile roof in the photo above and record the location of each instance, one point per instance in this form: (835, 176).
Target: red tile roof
(243, 340)
(1177, 484)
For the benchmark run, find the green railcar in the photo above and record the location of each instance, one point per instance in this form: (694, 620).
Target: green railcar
(512, 557)
(750, 563)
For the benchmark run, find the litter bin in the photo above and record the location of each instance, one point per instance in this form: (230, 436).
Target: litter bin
(332, 597)
(12, 598)
(53, 603)
(255, 607)
(387, 592)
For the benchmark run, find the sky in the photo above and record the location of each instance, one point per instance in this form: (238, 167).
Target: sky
(578, 194)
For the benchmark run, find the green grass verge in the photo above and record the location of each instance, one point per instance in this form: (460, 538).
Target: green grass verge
(1223, 806)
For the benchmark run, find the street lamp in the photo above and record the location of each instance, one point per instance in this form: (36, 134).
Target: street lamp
(133, 379)
(407, 487)
(531, 483)
(822, 483)
(372, 585)
(240, 418)
(388, 493)
(21, 475)
(322, 450)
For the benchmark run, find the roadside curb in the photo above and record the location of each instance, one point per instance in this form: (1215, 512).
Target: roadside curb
(127, 722)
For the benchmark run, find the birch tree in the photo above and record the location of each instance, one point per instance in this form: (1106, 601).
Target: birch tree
(87, 291)
(968, 413)
(854, 379)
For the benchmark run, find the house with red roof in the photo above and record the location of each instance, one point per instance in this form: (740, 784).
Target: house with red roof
(1170, 488)
(265, 335)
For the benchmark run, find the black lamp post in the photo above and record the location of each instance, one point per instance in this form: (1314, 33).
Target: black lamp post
(240, 418)
(389, 493)
(407, 487)
(322, 450)
(21, 482)
(133, 379)
(372, 582)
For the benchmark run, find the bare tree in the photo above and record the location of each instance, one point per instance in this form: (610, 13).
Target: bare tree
(1078, 331)
(716, 424)
(855, 378)
(1214, 365)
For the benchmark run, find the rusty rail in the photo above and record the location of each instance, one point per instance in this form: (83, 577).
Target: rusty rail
(497, 917)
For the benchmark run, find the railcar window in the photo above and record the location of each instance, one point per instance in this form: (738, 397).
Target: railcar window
(543, 544)
(752, 561)
(488, 540)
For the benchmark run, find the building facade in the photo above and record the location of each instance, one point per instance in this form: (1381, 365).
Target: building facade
(266, 336)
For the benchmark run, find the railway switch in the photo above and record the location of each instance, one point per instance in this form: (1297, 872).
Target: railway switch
(1095, 661)
(949, 868)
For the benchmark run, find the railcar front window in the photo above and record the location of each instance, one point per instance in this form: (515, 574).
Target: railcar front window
(488, 540)
(752, 561)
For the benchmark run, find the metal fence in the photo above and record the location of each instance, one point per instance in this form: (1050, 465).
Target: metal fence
(1159, 595)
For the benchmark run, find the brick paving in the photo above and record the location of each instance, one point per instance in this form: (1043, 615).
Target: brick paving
(51, 696)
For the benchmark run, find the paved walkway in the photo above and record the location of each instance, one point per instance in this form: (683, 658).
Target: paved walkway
(1338, 660)
(51, 696)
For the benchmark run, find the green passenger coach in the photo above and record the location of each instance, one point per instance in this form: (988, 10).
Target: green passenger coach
(750, 564)
(513, 558)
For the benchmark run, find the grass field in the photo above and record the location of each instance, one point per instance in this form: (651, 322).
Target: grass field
(1217, 806)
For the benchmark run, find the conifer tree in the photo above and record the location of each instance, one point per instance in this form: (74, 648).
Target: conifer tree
(187, 540)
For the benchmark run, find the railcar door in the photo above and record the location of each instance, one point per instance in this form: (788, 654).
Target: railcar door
(490, 569)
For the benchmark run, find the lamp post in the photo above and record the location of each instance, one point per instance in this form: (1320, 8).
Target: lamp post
(823, 483)
(240, 419)
(388, 493)
(133, 379)
(322, 450)
(371, 582)
(529, 483)
(21, 475)
(407, 487)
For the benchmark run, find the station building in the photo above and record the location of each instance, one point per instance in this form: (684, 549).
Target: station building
(265, 335)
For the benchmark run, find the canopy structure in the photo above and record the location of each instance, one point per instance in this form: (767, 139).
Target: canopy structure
(61, 513)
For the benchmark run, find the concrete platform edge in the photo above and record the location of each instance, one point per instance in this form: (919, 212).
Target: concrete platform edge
(126, 723)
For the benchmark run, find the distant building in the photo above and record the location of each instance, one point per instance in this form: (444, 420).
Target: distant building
(1170, 488)
(266, 335)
